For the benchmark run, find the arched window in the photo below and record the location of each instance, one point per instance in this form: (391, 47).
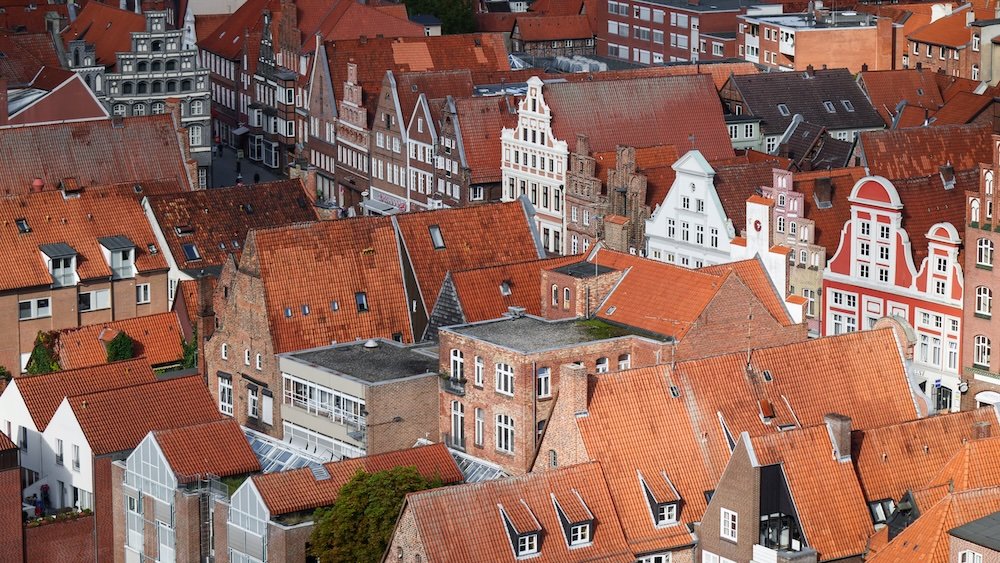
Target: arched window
(98, 83)
(157, 108)
(87, 80)
(804, 233)
(624, 362)
(457, 364)
(781, 200)
(171, 86)
(984, 252)
(566, 295)
(225, 351)
(555, 295)
(118, 109)
(126, 87)
(602, 365)
(974, 210)
(142, 66)
(457, 424)
(984, 301)
(142, 88)
(791, 228)
(981, 352)
(553, 459)
(171, 65)
(157, 66)
(139, 109)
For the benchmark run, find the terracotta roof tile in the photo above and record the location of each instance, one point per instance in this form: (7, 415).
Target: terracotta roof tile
(480, 294)
(651, 111)
(432, 84)
(356, 20)
(551, 28)
(297, 490)
(6, 443)
(926, 202)
(217, 221)
(42, 394)
(469, 235)
(25, 56)
(893, 459)
(317, 264)
(950, 30)
(963, 107)
(686, 436)
(975, 465)
(951, 86)
(480, 121)
(926, 539)
(463, 523)
(154, 337)
(887, 88)
(22, 18)
(217, 448)
(107, 27)
(206, 24)
(828, 222)
(226, 40)
(501, 22)
(117, 420)
(836, 525)
(95, 153)
(919, 151)
(77, 221)
(755, 277)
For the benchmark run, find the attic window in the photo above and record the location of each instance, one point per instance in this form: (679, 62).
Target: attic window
(527, 545)
(881, 510)
(436, 238)
(247, 208)
(524, 536)
(236, 244)
(783, 110)
(920, 91)
(577, 522)
(829, 107)
(22, 225)
(334, 306)
(663, 509)
(191, 252)
(674, 391)
(505, 288)
(151, 248)
(288, 312)
(666, 514)
(222, 246)
(361, 299)
(305, 310)
(183, 230)
(612, 309)
(767, 375)
(847, 105)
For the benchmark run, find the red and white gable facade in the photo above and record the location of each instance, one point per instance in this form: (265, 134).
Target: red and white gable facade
(872, 275)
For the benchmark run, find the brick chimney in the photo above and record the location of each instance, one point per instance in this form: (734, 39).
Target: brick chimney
(981, 430)
(839, 428)
(573, 381)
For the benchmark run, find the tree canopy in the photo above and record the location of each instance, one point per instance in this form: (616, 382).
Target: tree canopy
(44, 358)
(120, 348)
(357, 528)
(455, 15)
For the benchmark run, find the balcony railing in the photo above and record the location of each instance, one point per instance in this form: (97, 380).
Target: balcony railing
(453, 386)
(454, 441)
(347, 418)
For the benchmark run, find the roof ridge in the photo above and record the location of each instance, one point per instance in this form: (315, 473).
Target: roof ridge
(135, 387)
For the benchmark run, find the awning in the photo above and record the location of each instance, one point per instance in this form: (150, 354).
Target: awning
(378, 207)
(240, 131)
(988, 397)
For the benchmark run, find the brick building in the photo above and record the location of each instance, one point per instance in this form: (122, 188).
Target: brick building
(553, 36)
(358, 399)
(12, 545)
(954, 44)
(971, 541)
(75, 257)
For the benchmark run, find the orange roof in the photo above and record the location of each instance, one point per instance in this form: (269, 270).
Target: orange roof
(894, 459)
(95, 153)
(464, 523)
(226, 40)
(6, 443)
(42, 394)
(316, 264)
(552, 28)
(25, 56)
(214, 448)
(155, 337)
(755, 277)
(206, 24)
(480, 121)
(633, 299)
(828, 222)
(479, 290)
(117, 420)
(963, 107)
(297, 490)
(926, 539)
(735, 182)
(469, 235)
(108, 28)
(685, 436)
(77, 221)
(350, 19)
(975, 465)
(887, 88)
(919, 151)
(835, 525)
(949, 31)
(217, 221)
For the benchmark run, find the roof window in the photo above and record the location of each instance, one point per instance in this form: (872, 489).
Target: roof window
(783, 110)
(767, 375)
(184, 230)
(361, 300)
(847, 105)
(22, 225)
(663, 499)
(523, 529)
(190, 252)
(436, 238)
(505, 288)
(575, 518)
(829, 107)
(334, 306)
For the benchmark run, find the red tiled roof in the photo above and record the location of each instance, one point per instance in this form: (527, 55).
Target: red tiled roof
(154, 337)
(734, 183)
(950, 30)
(432, 84)
(219, 219)
(829, 222)
(926, 539)
(926, 202)
(649, 111)
(836, 525)
(552, 28)
(952, 85)
(297, 490)
(76, 221)
(975, 465)
(25, 56)
(315, 264)
(464, 523)
(886, 88)
(351, 19)
(480, 121)
(6, 443)
(470, 235)
(117, 420)
(479, 289)
(206, 24)
(95, 153)
(894, 459)
(686, 436)
(919, 151)
(108, 28)
(26, 17)
(42, 394)
(214, 448)
(226, 40)
(963, 107)
(755, 277)
(501, 22)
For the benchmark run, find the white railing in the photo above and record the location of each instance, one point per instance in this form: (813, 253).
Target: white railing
(340, 416)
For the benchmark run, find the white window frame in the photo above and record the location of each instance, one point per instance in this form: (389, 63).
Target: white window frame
(729, 525)
(505, 379)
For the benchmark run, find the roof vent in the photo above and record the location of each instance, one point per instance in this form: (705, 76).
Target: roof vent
(117, 122)
(319, 471)
(515, 312)
(371, 343)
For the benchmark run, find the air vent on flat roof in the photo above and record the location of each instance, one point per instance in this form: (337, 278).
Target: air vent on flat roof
(371, 343)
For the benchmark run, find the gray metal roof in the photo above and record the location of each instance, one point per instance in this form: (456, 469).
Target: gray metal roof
(58, 250)
(528, 334)
(984, 531)
(116, 243)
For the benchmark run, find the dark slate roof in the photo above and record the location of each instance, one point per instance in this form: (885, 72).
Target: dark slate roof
(811, 147)
(804, 93)
(57, 250)
(117, 242)
(713, 6)
(984, 531)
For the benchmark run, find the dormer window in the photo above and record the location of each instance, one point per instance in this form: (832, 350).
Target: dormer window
(522, 529)
(575, 518)
(527, 545)
(663, 499)
(62, 263)
(666, 514)
(579, 535)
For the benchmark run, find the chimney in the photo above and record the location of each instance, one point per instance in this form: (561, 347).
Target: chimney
(810, 71)
(582, 144)
(980, 430)
(839, 428)
(573, 381)
(864, 67)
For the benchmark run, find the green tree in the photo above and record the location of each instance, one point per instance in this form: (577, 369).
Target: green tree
(455, 15)
(5, 374)
(190, 348)
(43, 357)
(357, 528)
(120, 348)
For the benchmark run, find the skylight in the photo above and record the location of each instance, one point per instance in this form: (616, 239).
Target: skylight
(191, 252)
(783, 110)
(436, 238)
(22, 225)
(829, 107)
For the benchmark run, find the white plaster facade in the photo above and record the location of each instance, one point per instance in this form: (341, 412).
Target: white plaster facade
(19, 426)
(71, 479)
(690, 228)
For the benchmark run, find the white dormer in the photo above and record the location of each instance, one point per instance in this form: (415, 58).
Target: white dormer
(119, 254)
(60, 258)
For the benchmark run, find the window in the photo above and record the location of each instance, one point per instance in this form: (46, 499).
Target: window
(34, 309)
(457, 424)
(828, 106)
(190, 252)
(505, 433)
(984, 301)
(783, 110)
(479, 427)
(258, 362)
(714, 238)
(883, 232)
(361, 300)
(527, 544)
(847, 105)
(981, 353)
(727, 526)
(666, 514)
(226, 395)
(194, 134)
(984, 252)
(225, 351)
(253, 401)
(544, 380)
(436, 239)
(602, 365)
(624, 362)
(970, 557)
(246, 357)
(505, 379)
(59, 451)
(142, 293)
(63, 273)
(76, 458)
(480, 367)
(579, 534)
(457, 364)
(94, 300)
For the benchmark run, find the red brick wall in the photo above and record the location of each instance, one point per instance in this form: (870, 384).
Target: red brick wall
(738, 490)
(287, 545)
(118, 511)
(405, 544)
(72, 540)
(221, 535)
(584, 296)
(187, 527)
(414, 400)
(11, 540)
(103, 509)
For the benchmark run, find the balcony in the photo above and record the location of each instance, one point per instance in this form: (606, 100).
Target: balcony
(353, 421)
(452, 441)
(453, 386)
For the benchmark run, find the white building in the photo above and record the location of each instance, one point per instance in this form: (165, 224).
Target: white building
(691, 228)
